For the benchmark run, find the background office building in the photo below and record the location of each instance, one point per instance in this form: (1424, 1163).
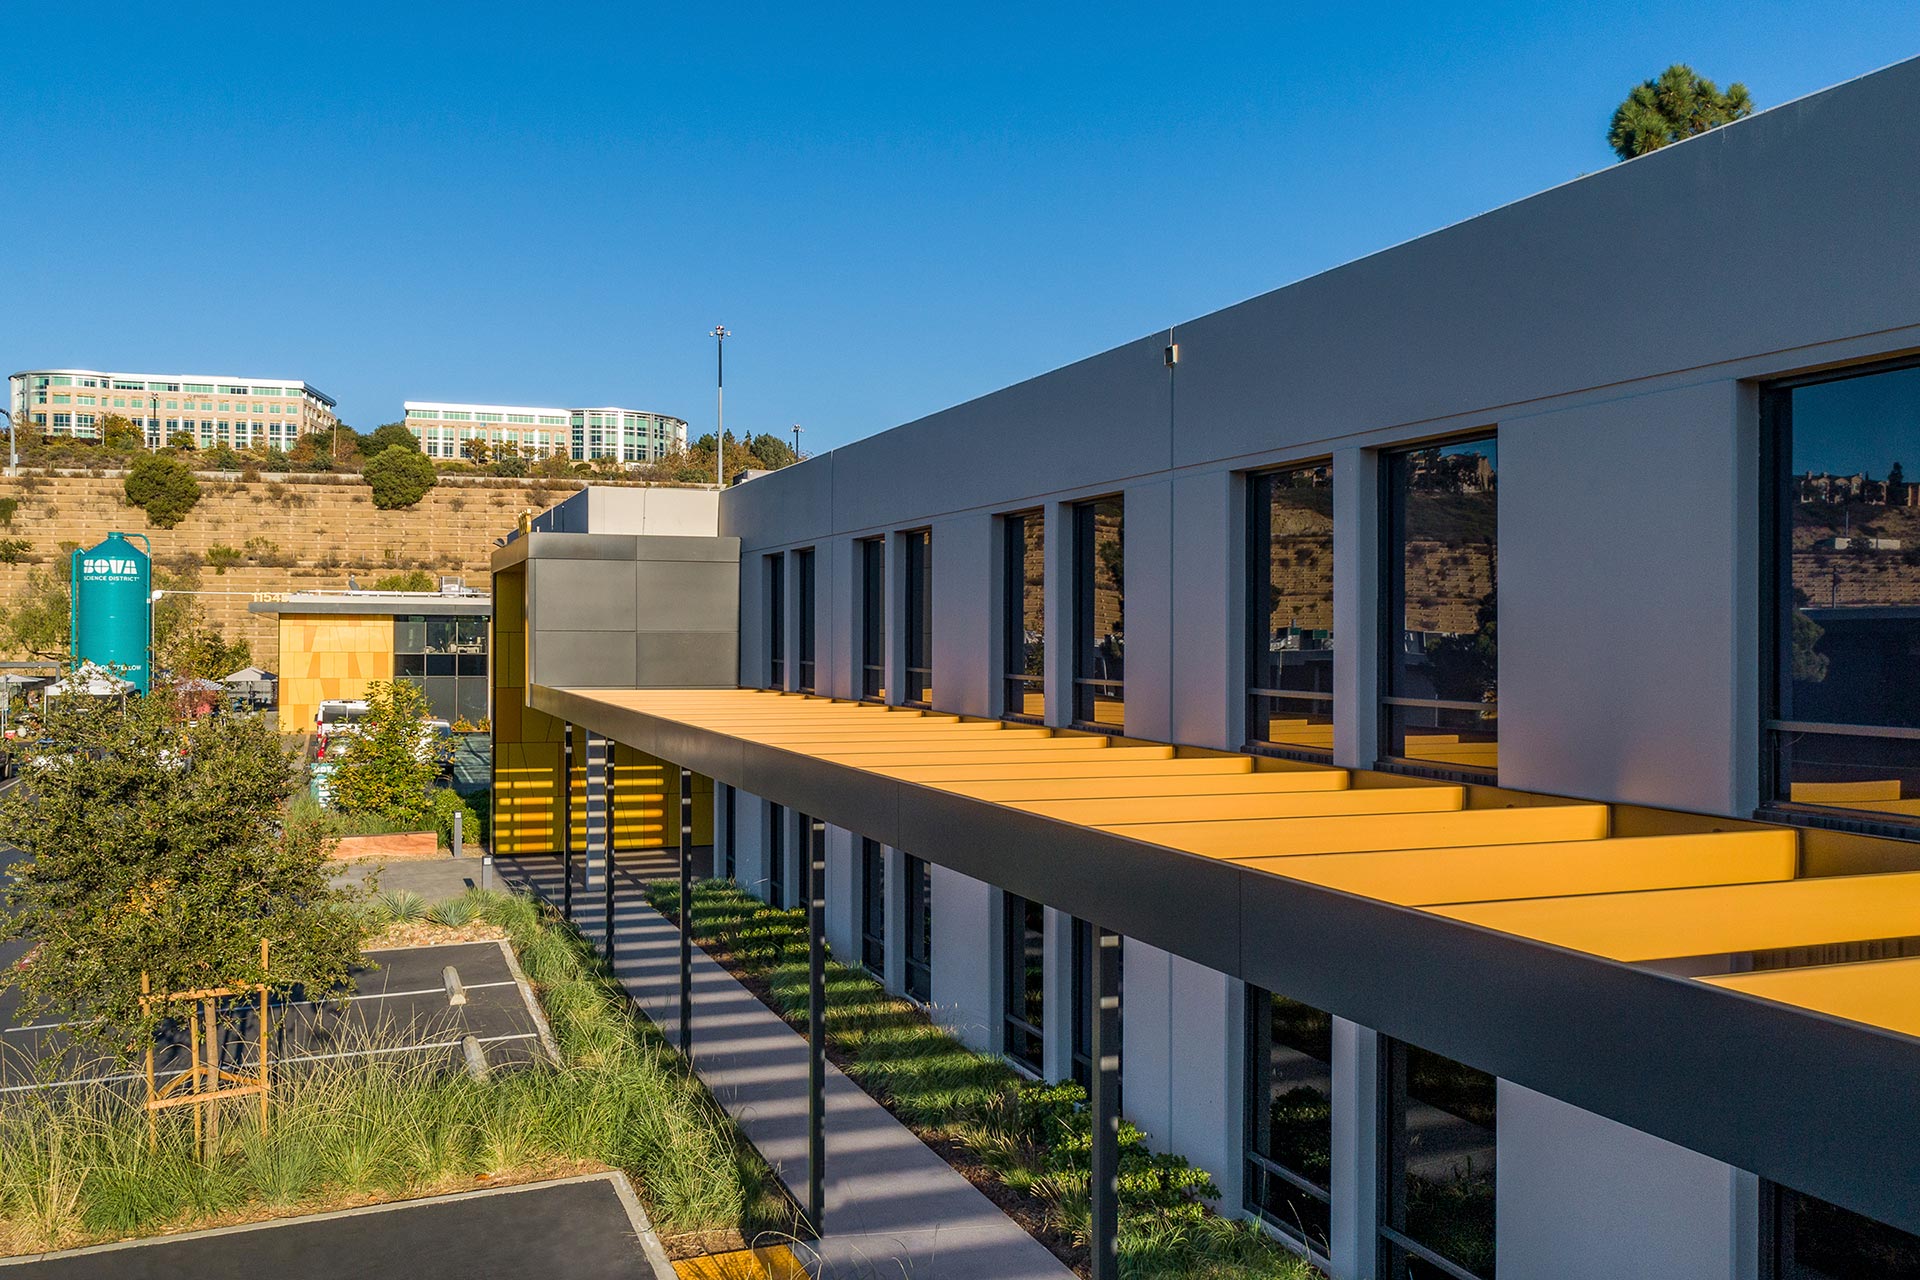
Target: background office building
(1477, 686)
(626, 435)
(268, 413)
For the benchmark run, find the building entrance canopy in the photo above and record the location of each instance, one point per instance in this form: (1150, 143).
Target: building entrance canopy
(1525, 935)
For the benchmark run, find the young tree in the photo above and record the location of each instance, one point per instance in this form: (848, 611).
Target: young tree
(161, 485)
(161, 846)
(387, 766)
(400, 477)
(38, 620)
(118, 433)
(1671, 108)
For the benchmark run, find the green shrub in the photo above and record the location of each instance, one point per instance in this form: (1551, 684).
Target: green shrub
(221, 557)
(388, 435)
(14, 550)
(8, 508)
(161, 485)
(399, 477)
(411, 580)
(446, 803)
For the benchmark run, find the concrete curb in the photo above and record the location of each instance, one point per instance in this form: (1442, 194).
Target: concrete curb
(533, 1002)
(649, 1240)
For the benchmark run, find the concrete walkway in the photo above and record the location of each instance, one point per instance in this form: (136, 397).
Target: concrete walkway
(893, 1207)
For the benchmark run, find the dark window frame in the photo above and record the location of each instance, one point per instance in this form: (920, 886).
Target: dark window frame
(1776, 622)
(1015, 685)
(1391, 577)
(873, 907)
(1014, 986)
(1257, 1066)
(1088, 689)
(806, 591)
(777, 854)
(873, 620)
(1778, 1226)
(776, 596)
(1393, 1092)
(1259, 576)
(916, 617)
(918, 971)
(1080, 992)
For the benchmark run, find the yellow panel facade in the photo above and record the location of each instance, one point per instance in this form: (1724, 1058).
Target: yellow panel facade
(324, 657)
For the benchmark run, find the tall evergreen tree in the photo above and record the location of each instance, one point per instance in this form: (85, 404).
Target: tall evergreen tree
(1673, 107)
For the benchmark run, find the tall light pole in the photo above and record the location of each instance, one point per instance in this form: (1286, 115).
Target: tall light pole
(720, 336)
(797, 429)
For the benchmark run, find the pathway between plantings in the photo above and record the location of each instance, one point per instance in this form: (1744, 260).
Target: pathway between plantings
(894, 1207)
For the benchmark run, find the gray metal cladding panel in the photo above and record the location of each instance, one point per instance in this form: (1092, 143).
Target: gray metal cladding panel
(667, 546)
(582, 595)
(1826, 1107)
(582, 659)
(686, 659)
(679, 595)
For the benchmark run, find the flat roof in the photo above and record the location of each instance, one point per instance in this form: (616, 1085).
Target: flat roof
(396, 603)
(1492, 926)
(215, 378)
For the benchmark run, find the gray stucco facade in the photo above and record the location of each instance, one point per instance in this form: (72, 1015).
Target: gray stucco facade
(1614, 333)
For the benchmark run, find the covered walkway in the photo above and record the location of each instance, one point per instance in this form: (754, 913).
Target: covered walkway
(1590, 953)
(893, 1207)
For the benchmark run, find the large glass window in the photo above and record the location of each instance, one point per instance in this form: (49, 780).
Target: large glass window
(447, 658)
(873, 907)
(803, 571)
(1436, 1166)
(1023, 616)
(777, 855)
(730, 853)
(1843, 722)
(1083, 1010)
(1814, 1240)
(1290, 1117)
(776, 621)
(1025, 924)
(1442, 546)
(1290, 609)
(919, 886)
(873, 620)
(917, 621)
(1099, 615)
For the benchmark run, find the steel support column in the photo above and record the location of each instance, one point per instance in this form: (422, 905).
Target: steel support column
(606, 852)
(686, 910)
(816, 1023)
(566, 822)
(1104, 1182)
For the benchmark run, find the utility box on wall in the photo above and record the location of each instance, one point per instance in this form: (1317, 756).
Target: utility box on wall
(112, 618)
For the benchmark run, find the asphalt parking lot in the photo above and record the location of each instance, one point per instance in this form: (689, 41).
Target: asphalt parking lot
(400, 1003)
(579, 1229)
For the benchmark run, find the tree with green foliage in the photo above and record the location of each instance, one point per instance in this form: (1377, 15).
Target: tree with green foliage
(386, 767)
(118, 433)
(388, 435)
(37, 619)
(163, 846)
(1675, 106)
(400, 478)
(161, 485)
(411, 580)
(772, 452)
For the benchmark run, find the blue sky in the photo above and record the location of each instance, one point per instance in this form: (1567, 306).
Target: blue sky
(893, 208)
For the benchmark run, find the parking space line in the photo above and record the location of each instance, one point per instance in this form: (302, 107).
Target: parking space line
(291, 1004)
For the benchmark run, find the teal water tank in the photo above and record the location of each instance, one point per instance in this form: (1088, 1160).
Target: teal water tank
(112, 608)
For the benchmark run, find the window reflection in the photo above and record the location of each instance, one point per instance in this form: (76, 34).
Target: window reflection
(1290, 609)
(1083, 1010)
(776, 621)
(1438, 1165)
(1442, 706)
(446, 656)
(1290, 1116)
(1023, 616)
(1815, 1240)
(873, 620)
(919, 886)
(1099, 613)
(873, 907)
(804, 607)
(1845, 725)
(1025, 981)
(918, 619)
(777, 855)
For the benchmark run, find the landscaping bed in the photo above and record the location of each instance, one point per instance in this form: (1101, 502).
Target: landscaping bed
(1025, 1145)
(75, 1167)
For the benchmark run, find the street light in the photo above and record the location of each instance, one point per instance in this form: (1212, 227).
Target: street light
(720, 336)
(797, 429)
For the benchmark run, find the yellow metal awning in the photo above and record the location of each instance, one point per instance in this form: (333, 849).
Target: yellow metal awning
(1534, 867)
